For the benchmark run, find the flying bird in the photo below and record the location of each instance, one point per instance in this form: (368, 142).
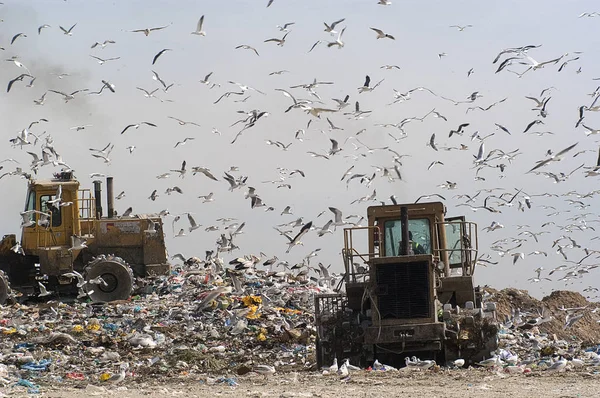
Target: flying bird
(102, 61)
(67, 32)
(43, 27)
(330, 28)
(161, 52)
(16, 79)
(554, 158)
(280, 42)
(296, 239)
(147, 31)
(247, 47)
(137, 126)
(382, 35)
(199, 30)
(15, 37)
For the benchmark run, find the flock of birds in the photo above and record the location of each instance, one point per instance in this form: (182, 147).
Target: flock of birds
(565, 214)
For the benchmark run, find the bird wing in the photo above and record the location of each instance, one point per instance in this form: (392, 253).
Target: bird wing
(337, 22)
(303, 230)
(200, 22)
(125, 129)
(558, 155)
(337, 213)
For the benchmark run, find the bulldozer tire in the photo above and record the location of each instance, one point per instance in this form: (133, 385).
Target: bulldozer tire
(4, 288)
(117, 275)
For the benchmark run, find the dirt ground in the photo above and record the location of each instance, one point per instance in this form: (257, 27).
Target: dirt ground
(446, 384)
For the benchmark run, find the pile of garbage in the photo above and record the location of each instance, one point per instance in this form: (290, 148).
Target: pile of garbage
(567, 315)
(231, 321)
(194, 321)
(561, 331)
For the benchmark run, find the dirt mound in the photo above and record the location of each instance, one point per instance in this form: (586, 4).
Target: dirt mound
(586, 329)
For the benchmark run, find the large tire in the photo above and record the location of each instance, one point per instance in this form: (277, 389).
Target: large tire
(4, 288)
(117, 275)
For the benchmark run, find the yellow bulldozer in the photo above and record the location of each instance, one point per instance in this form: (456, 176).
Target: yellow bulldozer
(408, 291)
(67, 247)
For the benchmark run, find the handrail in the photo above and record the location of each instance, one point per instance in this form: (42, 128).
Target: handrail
(469, 243)
(349, 253)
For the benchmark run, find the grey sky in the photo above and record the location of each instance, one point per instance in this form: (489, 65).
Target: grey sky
(422, 31)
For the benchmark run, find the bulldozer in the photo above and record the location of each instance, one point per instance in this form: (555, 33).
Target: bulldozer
(408, 292)
(68, 247)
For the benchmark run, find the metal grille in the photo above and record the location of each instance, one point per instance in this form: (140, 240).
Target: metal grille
(403, 290)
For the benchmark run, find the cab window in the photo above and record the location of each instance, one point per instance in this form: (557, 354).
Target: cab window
(31, 206)
(50, 208)
(393, 235)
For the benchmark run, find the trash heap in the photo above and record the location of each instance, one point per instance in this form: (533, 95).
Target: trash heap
(195, 321)
(224, 322)
(536, 332)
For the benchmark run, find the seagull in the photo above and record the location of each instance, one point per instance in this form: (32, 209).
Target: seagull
(147, 31)
(338, 219)
(183, 123)
(184, 141)
(67, 32)
(161, 52)
(207, 198)
(429, 197)
(296, 239)
(204, 171)
(118, 377)
(554, 158)
(74, 274)
(157, 78)
(43, 27)
(325, 229)
(199, 30)
(137, 126)
(43, 291)
(280, 42)
(68, 97)
(461, 28)
(103, 44)
(149, 94)
(101, 61)
(193, 224)
(284, 27)
(15, 37)
(181, 171)
(382, 35)
(330, 28)
(247, 47)
(338, 41)
(264, 370)
(366, 87)
(79, 128)
(17, 79)
(459, 130)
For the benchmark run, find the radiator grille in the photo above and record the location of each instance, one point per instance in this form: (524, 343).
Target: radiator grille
(403, 290)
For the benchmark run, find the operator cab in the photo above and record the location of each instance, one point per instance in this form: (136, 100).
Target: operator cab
(419, 230)
(53, 210)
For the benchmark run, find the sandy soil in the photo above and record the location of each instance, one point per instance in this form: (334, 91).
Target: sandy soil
(453, 384)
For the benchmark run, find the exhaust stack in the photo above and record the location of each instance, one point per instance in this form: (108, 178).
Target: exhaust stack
(98, 198)
(110, 197)
(405, 249)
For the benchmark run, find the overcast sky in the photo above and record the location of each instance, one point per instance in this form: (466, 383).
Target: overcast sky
(422, 31)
